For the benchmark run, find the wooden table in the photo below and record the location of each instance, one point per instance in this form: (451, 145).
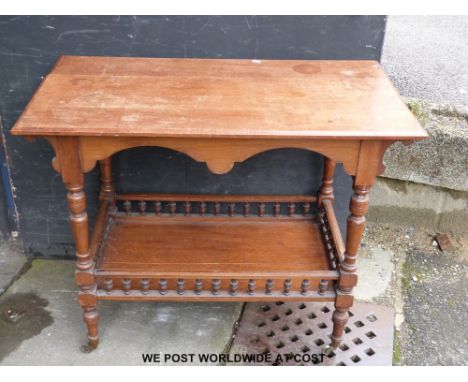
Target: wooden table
(217, 247)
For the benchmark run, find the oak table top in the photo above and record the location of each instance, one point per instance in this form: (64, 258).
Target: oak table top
(212, 98)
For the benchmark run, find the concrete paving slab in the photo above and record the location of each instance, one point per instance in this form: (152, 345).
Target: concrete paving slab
(128, 329)
(12, 261)
(375, 273)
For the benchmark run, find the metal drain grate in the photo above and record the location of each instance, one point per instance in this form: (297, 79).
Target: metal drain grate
(303, 329)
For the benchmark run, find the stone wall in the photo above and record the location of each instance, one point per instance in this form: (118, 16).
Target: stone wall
(425, 185)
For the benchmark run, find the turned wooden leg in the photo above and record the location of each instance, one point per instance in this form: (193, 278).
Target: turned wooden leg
(84, 264)
(348, 270)
(91, 318)
(70, 168)
(326, 189)
(107, 191)
(340, 318)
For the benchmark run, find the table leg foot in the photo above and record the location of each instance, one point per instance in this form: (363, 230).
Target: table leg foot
(327, 350)
(91, 318)
(340, 318)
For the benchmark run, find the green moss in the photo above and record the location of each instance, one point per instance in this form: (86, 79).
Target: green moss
(452, 303)
(396, 350)
(419, 109)
(405, 277)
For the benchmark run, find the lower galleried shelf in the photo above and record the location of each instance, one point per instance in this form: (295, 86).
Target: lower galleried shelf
(191, 249)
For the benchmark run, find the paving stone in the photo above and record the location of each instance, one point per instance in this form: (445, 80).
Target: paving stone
(128, 329)
(375, 273)
(12, 261)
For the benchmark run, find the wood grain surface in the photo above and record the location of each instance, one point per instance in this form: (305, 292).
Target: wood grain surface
(153, 97)
(235, 246)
